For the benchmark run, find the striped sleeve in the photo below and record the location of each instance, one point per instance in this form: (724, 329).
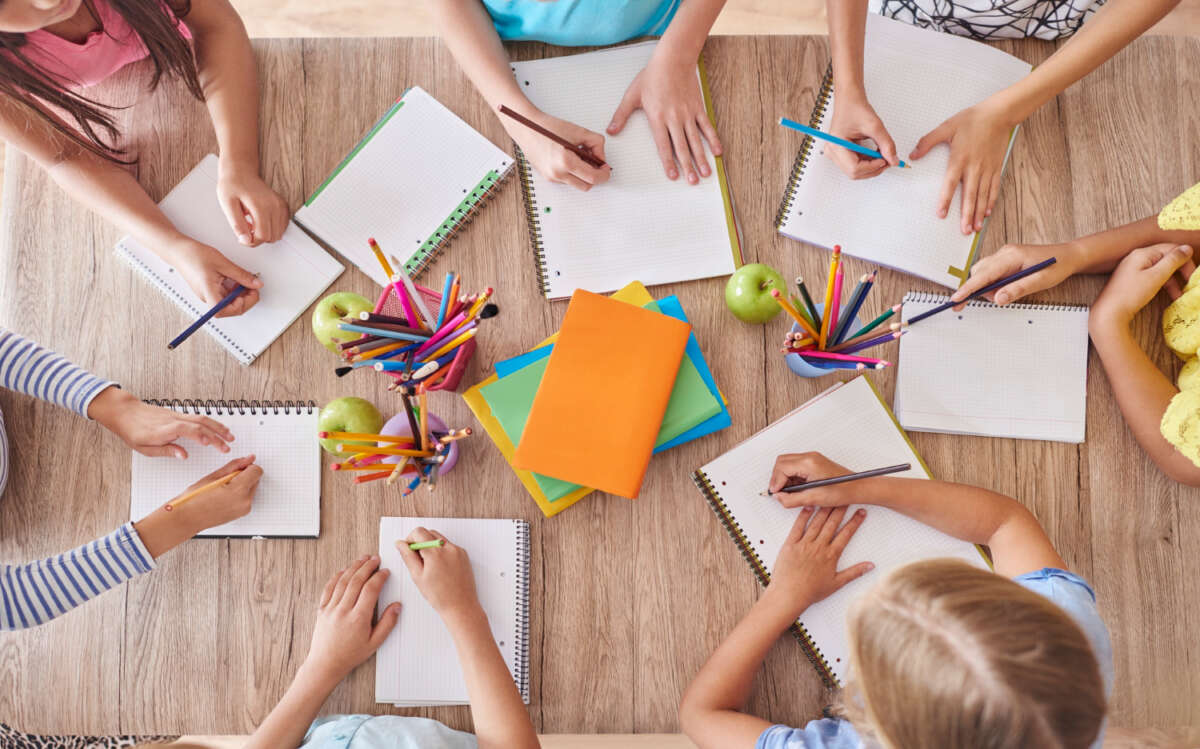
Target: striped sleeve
(34, 593)
(28, 368)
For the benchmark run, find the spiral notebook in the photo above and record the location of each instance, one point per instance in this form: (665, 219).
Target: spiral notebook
(638, 226)
(294, 270)
(417, 177)
(915, 79)
(852, 426)
(282, 437)
(417, 664)
(1015, 371)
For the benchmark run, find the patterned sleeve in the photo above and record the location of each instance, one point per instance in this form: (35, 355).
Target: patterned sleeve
(34, 593)
(28, 368)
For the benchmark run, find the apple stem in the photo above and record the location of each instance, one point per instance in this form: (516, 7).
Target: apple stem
(340, 312)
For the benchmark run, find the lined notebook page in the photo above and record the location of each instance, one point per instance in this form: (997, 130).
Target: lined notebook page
(915, 78)
(417, 663)
(639, 225)
(402, 183)
(294, 270)
(1016, 371)
(288, 500)
(851, 426)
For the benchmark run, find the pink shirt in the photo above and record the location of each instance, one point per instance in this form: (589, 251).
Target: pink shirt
(105, 51)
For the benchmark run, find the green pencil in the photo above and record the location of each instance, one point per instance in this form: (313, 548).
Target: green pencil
(427, 545)
(808, 302)
(800, 308)
(874, 323)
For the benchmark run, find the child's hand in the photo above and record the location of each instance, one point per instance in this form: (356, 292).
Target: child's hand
(346, 633)
(669, 91)
(442, 574)
(1016, 257)
(550, 159)
(211, 276)
(854, 119)
(151, 430)
(220, 504)
(243, 193)
(798, 468)
(978, 138)
(806, 568)
(1137, 279)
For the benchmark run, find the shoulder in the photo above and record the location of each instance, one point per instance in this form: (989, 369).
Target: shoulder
(379, 731)
(1074, 595)
(827, 733)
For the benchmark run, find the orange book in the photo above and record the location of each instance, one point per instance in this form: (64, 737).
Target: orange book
(602, 399)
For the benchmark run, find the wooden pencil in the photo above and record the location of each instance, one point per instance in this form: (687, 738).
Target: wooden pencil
(856, 301)
(829, 355)
(793, 312)
(808, 302)
(833, 266)
(841, 479)
(424, 443)
(874, 323)
(835, 313)
(363, 436)
(578, 149)
(412, 418)
(872, 342)
(201, 489)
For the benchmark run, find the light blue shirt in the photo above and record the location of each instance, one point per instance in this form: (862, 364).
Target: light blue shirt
(1066, 589)
(384, 732)
(578, 23)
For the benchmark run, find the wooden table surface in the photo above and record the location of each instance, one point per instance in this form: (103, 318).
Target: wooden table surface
(628, 597)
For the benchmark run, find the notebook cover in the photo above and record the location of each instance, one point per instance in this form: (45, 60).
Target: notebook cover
(602, 400)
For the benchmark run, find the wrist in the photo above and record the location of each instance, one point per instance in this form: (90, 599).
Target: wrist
(162, 531)
(231, 164)
(462, 617)
(1107, 326)
(108, 405)
(318, 676)
(781, 607)
(1008, 107)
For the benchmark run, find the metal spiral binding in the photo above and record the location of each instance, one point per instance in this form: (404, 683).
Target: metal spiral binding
(210, 407)
(806, 146)
(734, 529)
(521, 646)
(535, 228)
(415, 269)
(925, 297)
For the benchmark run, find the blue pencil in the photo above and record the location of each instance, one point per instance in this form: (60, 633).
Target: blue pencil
(382, 333)
(445, 299)
(234, 294)
(856, 303)
(834, 139)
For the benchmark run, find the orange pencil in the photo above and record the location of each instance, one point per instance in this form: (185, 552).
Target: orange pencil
(424, 419)
(363, 436)
(201, 489)
(372, 477)
(788, 308)
(383, 261)
(388, 451)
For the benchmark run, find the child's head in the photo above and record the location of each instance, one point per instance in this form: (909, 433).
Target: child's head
(946, 654)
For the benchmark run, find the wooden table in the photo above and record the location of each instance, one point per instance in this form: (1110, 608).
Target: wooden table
(629, 598)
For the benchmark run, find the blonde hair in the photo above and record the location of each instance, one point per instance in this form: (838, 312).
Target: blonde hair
(949, 655)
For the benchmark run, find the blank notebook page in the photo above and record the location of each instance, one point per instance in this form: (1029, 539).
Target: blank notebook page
(639, 225)
(288, 499)
(417, 664)
(1015, 371)
(915, 78)
(851, 426)
(294, 270)
(404, 181)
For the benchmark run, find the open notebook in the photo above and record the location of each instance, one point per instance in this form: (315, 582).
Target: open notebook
(1013, 371)
(414, 179)
(294, 270)
(417, 663)
(849, 424)
(281, 435)
(637, 226)
(915, 79)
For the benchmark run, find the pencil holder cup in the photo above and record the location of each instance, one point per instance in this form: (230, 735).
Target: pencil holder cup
(805, 368)
(389, 305)
(398, 426)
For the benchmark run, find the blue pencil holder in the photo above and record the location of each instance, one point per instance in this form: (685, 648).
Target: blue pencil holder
(801, 366)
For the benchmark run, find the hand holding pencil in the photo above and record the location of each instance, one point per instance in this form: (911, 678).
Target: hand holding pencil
(813, 467)
(571, 155)
(225, 494)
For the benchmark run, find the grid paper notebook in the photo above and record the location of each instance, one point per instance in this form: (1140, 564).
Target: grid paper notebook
(414, 180)
(637, 226)
(915, 78)
(294, 270)
(279, 434)
(849, 424)
(417, 664)
(1014, 371)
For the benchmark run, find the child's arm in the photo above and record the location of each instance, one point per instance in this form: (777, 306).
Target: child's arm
(1013, 534)
(1095, 253)
(444, 577)
(467, 29)
(229, 77)
(805, 572)
(1142, 391)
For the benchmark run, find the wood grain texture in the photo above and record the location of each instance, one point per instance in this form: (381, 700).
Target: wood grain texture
(628, 597)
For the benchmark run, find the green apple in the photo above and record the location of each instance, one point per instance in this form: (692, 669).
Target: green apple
(330, 311)
(348, 415)
(748, 293)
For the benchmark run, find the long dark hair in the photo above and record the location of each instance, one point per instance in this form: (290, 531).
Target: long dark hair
(29, 84)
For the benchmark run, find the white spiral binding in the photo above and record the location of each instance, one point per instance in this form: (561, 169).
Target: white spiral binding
(925, 297)
(521, 646)
(208, 407)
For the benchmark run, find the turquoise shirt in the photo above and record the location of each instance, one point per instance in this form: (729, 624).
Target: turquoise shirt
(580, 23)
(384, 732)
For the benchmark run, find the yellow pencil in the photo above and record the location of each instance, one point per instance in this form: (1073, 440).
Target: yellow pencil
(424, 419)
(201, 489)
(833, 266)
(406, 452)
(383, 261)
(450, 345)
(476, 307)
(364, 436)
(399, 469)
(377, 352)
(370, 467)
(787, 307)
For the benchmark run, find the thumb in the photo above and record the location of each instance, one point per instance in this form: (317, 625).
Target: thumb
(385, 625)
(939, 134)
(850, 574)
(235, 212)
(239, 274)
(628, 104)
(412, 560)
(1169, 261)
(883, 140)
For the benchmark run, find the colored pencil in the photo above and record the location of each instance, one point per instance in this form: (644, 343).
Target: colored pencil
(795, 314)
(427, 545)
(383, 333)
(396, 348)
(835, 311)
(835, 140)
(854, 305)
(201, 489)
(383, 261)
(417, 299)
(412, 417)
(833, 266)
(402, 451)
(345, 345)
(347, 467)
(872, 342)
(455, 435)
(830, 356)
(874, 323)
(424, 420)
(363, 436)
(801, 343)
(199, 323)
(841, 479)
(440, 337)
(365, 450)
(380, 325)
(453, 343)
(808, 302)
(799, 305)
(378, 317)
(445, 303)
(986, 289)
(578, 149)
(372, 477)
(399, 469)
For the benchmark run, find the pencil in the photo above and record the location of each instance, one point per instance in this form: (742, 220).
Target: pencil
(835, 312)
(403, 452)
(346, 466)
(415, 296)
(808, 302)
(427, 545)
(841, 479)
(578, 149)
(833, 266)
(363, 436)
(835, 140)
(872, 342)
(830, 356)
(799, 305)
(455, 435)
(855, 303)
(986, 289)
(412, 418)
(351, 327)
(874, 323)
(187, 333)
(383, 261)
(424, 443)
(372, 477)
(451, 344)
(801, 343)
(201, 489)
(399, 327)
(787, 307)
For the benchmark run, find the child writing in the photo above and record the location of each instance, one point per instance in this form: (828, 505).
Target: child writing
(346, 634)
(667, 89)
(943, 654)
(51, 52)
(978, 136)
(34, 593)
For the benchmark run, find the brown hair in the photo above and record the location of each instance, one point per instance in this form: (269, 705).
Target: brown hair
(30, 85)
(946, 654)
